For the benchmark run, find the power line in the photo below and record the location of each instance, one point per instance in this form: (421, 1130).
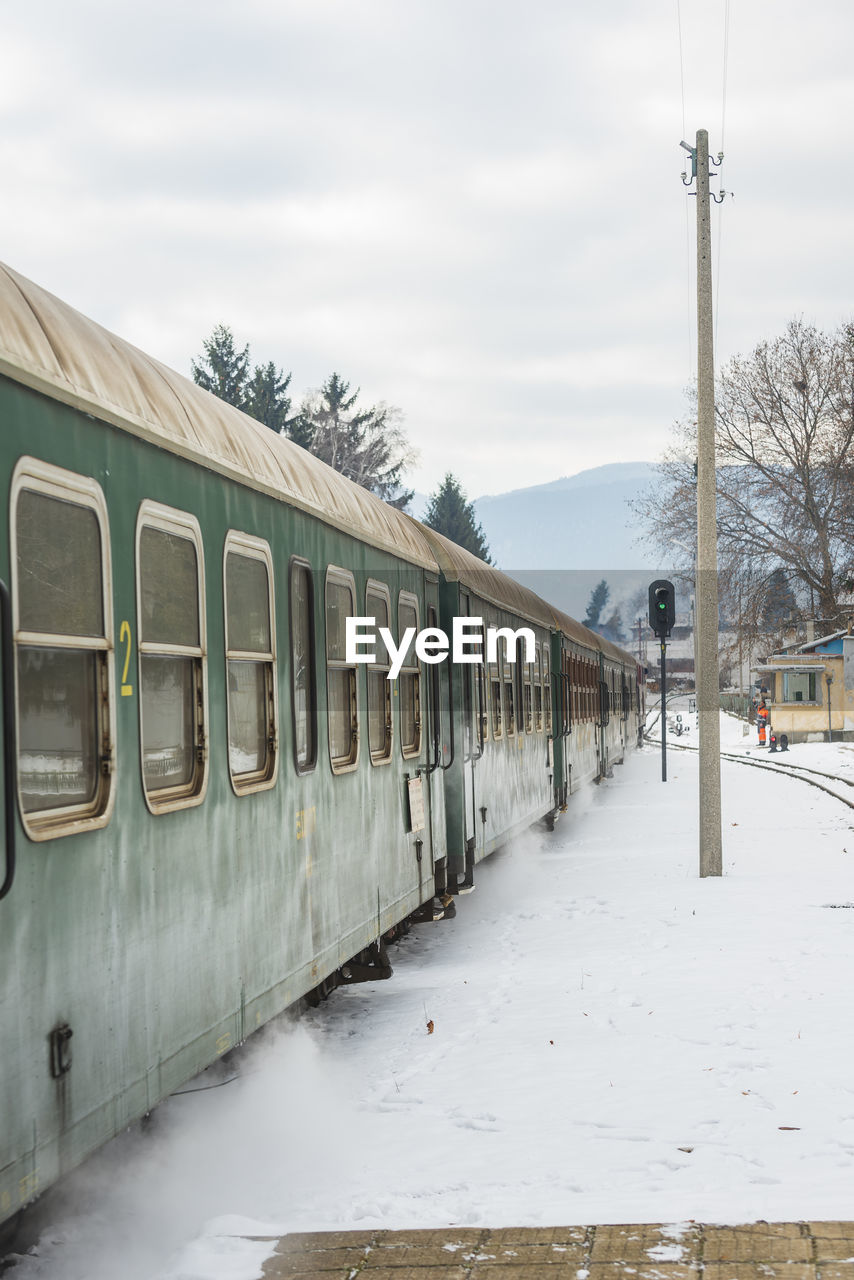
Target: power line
(681, 61)
(726, 66)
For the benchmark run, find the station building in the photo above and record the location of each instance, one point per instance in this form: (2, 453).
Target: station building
(810, 689)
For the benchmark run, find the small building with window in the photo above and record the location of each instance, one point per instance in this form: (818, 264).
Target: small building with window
(811, 689)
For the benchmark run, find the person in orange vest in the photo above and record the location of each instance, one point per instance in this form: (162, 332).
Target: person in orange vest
(762, 721)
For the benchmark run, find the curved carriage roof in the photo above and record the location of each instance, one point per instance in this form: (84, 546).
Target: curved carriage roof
(48, 346)
(591, 639)
(459, 565)
(576, 631)
(611, 650)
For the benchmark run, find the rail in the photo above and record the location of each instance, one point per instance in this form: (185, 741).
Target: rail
(796, 771)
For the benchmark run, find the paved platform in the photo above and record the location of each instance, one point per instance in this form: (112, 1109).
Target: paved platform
(691, 1251)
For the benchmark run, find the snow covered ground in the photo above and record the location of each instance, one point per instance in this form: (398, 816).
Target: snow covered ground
(599, 1036)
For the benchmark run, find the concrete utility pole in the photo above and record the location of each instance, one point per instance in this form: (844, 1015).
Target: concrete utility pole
(708, 701)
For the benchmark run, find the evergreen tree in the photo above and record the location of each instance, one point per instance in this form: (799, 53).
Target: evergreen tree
(267, 397)
(595, 605)
(367, 446)
(450, 513)
(223, 369)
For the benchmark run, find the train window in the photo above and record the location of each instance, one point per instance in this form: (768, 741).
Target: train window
(303, 677)
(63, 650)
(342, 696)
(378, 607)
(250, 656)
(538, 690)
(576, 692)
(547, 687)
(409, 680)
(495, 695)
(527, 688)
(172, 657)
(509, 670)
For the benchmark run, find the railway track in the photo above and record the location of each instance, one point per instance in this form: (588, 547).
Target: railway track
(801, 772)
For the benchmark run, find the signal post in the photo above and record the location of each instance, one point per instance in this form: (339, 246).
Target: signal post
(662, 615)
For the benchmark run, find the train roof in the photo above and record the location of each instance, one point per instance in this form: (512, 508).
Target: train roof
(575, 630)
(583, 635)
(48, 346)
(460, 565)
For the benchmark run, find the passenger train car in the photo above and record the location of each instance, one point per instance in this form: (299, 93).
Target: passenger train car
(210, 811)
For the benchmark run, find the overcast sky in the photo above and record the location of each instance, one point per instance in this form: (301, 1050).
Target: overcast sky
(471, 210)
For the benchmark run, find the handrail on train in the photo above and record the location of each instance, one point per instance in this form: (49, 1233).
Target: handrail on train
(450, 719)
(9, 752)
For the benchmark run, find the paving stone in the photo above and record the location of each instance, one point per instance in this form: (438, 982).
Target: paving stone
(500, 1271)
(429, 1236)
(536, 1235)
(313, 1262)
(834, 1241)
(405, 1272)
(761, 1242)
(836, 1270)
(643, 1243)
(540, 1256)
(752, 1270)
(327, 1240)
(644, 1270)
(416, 1255)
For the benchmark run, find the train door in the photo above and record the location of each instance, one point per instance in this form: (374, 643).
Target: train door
(437, 745)
(473, 709)
(565, 704)
(554, 684)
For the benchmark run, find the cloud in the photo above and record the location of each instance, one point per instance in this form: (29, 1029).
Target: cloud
(472, 211)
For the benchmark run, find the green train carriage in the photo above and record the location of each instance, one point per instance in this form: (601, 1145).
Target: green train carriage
(213, 805)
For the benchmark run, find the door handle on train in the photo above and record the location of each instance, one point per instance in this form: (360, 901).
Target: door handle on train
(8, 657)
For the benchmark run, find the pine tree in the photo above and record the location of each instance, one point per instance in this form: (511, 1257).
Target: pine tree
(267, 397)
(450, 513)
(598, 600)
(367, 446)
(223, 369)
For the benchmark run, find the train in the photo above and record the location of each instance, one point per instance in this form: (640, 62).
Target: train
(210, 810)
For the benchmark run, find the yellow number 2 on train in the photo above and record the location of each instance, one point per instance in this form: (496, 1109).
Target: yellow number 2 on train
(124, 638)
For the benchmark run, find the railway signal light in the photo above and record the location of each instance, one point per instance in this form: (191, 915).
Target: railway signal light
(662, 607)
